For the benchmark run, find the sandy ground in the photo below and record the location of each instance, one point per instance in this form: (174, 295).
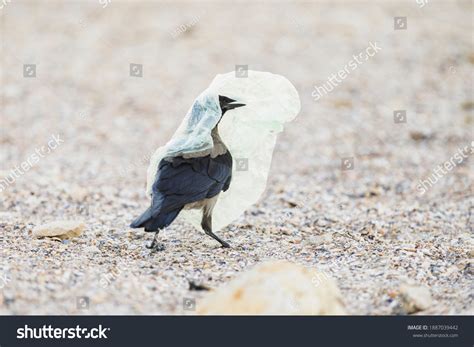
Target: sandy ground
(369, 228)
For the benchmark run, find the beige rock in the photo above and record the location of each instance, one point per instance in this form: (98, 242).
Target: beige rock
(414, 298)
(91, 250)
(78, 193)
(59, 229)
(273, 288)
(470, 252)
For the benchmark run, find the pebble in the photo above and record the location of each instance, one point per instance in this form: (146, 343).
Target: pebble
(276, 287)
(92, 249)
(414, 298)
(59, 229)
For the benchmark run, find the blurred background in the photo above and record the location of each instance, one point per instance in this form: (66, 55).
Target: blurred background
(343, 195)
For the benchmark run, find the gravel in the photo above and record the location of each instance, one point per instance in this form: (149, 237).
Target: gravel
(369, 227)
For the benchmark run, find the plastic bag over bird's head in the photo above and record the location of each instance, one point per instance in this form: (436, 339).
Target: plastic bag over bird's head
(248, 132)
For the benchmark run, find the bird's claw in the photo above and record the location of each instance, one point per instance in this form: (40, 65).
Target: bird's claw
(156, 247)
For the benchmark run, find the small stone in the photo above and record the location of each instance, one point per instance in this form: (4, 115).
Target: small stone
(211, 243)
(59, 229)
(414, 298)
(292, 203)
(276, 287)
(319, 240)
(295, 241)
(92, 250)
(420, 136)
(78, 193)
(471, 253)
(286, 231)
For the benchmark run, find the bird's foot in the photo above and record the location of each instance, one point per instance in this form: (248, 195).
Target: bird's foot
(224, 244)
(217, 238)
(156, 247)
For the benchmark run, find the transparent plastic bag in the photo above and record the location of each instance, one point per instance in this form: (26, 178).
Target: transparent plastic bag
(249, 132)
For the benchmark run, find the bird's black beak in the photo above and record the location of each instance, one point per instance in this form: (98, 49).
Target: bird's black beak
(228, 103)
(233, 105)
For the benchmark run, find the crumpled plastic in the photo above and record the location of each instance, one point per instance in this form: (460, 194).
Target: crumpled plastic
(249, 133)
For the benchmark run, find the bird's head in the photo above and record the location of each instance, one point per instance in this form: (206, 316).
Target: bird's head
(228, 104)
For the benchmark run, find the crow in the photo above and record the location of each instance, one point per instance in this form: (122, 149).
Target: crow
(191, 180)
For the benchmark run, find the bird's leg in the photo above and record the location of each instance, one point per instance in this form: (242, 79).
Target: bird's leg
(206, 224)
(154, 243)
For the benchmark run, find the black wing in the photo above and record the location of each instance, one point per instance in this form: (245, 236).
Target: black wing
(181, 181)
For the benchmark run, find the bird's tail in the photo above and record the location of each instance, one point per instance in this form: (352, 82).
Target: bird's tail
(154, 223)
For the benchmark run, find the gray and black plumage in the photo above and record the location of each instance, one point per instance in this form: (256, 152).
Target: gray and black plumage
(190, 182)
